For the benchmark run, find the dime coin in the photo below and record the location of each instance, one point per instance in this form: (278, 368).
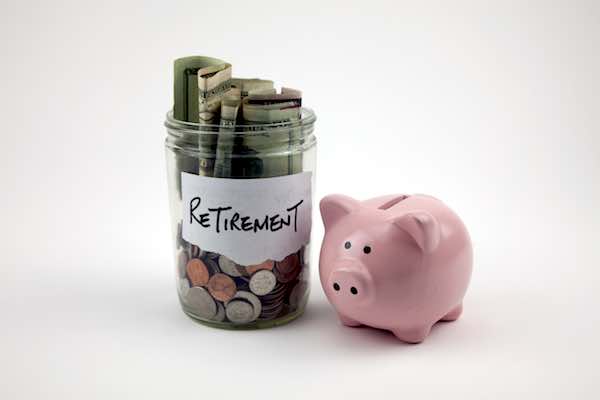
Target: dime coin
(239, 311)
(262, 282)
(263, 265)
(228, 266)
(221, 287)
(200, 302)
(197, 272)
(252, 299)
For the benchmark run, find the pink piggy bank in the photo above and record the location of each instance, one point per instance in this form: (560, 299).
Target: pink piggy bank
(400, 263)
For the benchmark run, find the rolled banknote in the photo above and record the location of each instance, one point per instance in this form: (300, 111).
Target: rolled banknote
(274, 108)
(229, 113)
(185, 106)
(214, 82)
(248, 86)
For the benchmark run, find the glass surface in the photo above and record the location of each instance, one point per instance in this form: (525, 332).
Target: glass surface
(241, 152)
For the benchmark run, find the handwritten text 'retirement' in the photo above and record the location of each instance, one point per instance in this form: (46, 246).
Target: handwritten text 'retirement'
(226, 219)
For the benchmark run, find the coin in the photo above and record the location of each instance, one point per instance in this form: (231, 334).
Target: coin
(262, 282)
(220, 315)
(182, 259)
(289, 263)
(195, 251)
(183, 286)
(212, 265)
(263, 265)
(239, 311)
(197, 272)
(242, 270)
(221, 287)
(228, 266)
(211, 255)
(241, 294)
(200, 302)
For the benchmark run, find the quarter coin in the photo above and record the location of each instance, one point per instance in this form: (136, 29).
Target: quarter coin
(241, 294)
(262, 282)
(239, 311)
(228, 266)
(200, 302)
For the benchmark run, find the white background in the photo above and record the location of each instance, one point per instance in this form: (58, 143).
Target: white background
(491, 106)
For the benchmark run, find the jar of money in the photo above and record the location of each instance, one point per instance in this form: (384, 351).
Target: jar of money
(240, 188)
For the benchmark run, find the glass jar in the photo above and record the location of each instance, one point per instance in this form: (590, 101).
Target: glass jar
(241, 207)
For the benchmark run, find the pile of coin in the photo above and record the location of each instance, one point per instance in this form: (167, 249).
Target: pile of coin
(215, 288)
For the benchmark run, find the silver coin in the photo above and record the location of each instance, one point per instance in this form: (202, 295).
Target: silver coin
(220, 315)
(182, 260)
(201, 302)
(228, 266)
(239, 311)
(241, 294)
(183, 287)
(262, 282)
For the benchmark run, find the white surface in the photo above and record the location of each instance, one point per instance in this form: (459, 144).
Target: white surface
(493, 107)
(252, 199)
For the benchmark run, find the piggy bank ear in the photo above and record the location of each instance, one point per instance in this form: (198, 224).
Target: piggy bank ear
(422, 227)
(335, 206)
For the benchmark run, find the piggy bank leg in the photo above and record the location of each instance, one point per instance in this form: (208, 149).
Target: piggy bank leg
(413, 335)
(453, 314)
(348, 321)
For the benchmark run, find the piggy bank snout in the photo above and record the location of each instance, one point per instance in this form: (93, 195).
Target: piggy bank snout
(350, 283)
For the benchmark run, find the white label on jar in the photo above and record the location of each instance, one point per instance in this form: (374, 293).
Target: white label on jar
(247, 220)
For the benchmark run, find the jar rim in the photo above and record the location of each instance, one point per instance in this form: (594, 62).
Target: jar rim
(307, 119)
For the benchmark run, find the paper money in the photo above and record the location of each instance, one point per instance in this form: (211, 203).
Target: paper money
(185, 107)
(252, 86)
(229, 113)
(246, 129)
(262, 109)
(214, 82)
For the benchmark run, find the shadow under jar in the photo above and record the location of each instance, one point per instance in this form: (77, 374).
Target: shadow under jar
(241, 206)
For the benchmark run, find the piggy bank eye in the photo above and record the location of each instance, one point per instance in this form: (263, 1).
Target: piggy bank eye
(367, 249)
(347, 245)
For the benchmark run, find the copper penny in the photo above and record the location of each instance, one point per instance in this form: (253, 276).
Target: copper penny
(288, 264)
(221, 287)
(263, 265)
(197, 272)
